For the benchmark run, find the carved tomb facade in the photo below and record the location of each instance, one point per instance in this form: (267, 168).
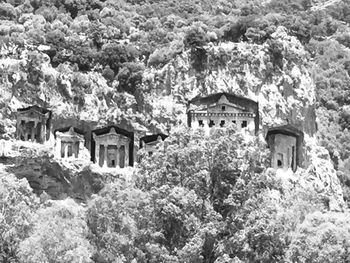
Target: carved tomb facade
(33, 124)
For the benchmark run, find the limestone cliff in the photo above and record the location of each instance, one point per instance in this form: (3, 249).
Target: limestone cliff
(275, 74)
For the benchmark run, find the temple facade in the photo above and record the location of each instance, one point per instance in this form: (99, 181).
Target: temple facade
(285, 143)
(150, 142)
(69, 142)
(222, 109)
(112, 147)
(3, 148)
(33, 124)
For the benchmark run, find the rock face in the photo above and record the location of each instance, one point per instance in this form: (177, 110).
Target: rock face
(322, 175)
(46, 175)
(273, 74)
(57, 178)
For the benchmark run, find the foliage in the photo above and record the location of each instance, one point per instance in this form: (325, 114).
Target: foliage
(17, 207)
(206, 198)
(322, 237)
(119, 219)
(264, 217)
(59, 235)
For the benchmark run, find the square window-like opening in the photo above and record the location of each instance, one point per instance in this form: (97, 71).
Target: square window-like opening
(222, 123)
(244, 124)
(211, 123)
(200, 123)
(223, 108)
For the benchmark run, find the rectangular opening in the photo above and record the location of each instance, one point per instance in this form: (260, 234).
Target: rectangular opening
(244, 124)
(201, 124)
(70, 150)
(223, 108)
(112, 155)
(222, 123)
(211, 123)
(279, 160)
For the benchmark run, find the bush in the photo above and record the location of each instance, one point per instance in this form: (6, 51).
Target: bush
(7, 12)
(59, 235)
(322, 237)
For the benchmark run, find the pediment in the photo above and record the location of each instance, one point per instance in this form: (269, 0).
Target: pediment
(30, 112)
(229, 107)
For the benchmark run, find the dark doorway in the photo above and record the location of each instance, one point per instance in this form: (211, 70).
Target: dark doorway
(122, 156)
(102, 155)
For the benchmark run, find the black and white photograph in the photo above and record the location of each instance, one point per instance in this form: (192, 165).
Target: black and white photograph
(174, 131)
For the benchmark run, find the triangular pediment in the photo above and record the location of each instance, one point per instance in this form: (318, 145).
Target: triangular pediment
(31, 112)
(228, 106)
(223, 100)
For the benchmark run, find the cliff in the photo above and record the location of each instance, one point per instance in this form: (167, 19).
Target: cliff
(275, 74)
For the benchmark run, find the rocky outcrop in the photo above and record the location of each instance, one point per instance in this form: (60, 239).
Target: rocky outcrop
(274, 74)
(55, 177)
(322, 175)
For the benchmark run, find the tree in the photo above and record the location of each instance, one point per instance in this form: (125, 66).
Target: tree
(60, 234)
(264, 216)
(120, 220)
(322, 237)
(7, 12)
(17, 207)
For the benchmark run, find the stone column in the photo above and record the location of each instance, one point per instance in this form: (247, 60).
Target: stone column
(81, 147)
(239, 124)
(136, 146)
(206, 127)
(126, 154)
(194, 122)
(18, 128)
(32, 133)
(47, 130)
(58, 146)
(43, 132)
(65, 150)
(117, 157)
(97, 153)
(106, 155)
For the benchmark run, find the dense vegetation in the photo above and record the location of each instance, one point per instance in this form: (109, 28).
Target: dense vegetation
(204, 199)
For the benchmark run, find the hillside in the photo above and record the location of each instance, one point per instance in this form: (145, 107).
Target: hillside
(203, 199)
